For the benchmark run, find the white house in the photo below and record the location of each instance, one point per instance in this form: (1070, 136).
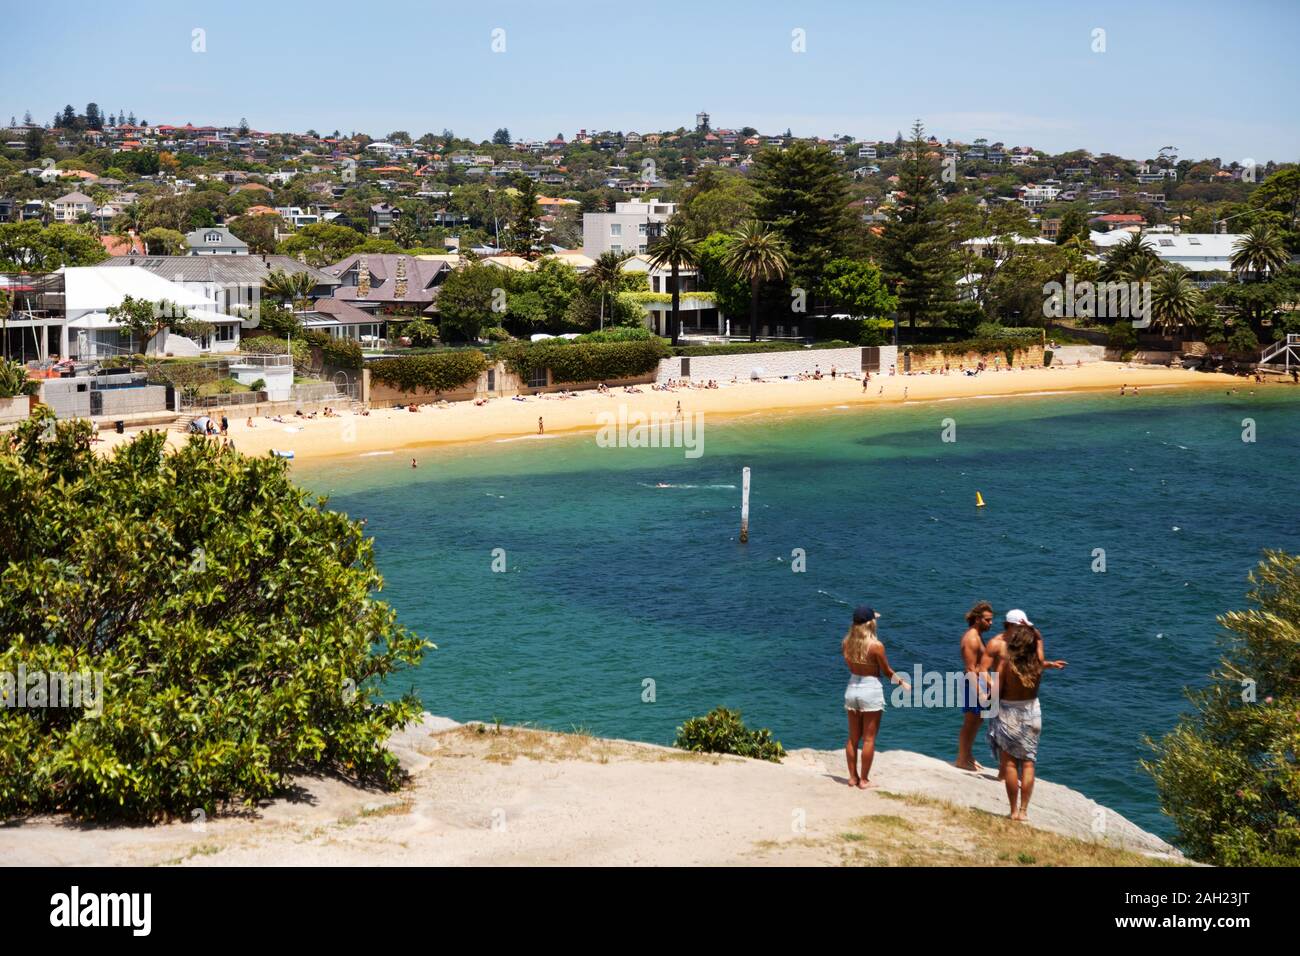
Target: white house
(88, 331)
(1197, 252)
(68, 208)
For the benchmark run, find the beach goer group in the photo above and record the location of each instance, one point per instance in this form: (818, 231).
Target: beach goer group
(999, 686)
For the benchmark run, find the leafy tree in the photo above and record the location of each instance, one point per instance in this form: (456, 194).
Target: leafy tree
(144, 319)
(231, 617)
(1227, 774)
(717, 202)
(466, 299)
(258, 231)
(501, 137)
(674, 250)
(322, 243)
(1073, 223)
(164, 242)
(93, 118)
(916, 248)
(802, 195)
(754, 255)
(858, 287)
(30, 247)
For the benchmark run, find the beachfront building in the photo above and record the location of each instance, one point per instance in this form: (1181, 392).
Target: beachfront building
(228, 283)
(1207, 255)
(382, 285)
(86, 331)
(628, 228)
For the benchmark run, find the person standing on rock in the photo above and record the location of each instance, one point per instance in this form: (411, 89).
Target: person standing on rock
(995, 653)
(864, 698)
(978, 619)
(1016, 729)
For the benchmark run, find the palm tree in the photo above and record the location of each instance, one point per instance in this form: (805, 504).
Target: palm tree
(604, 276)
(757, 255)
(1259, 250)
(1174, 301)
(674, 249)
(1123, 258)
(288, 286)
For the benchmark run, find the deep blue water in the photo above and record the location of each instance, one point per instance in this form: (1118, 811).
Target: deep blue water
(612, 580)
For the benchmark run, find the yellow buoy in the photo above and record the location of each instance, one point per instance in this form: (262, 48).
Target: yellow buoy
(979, 500)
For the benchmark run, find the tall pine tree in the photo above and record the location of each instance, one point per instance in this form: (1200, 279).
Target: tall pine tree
(803, 196)
(918, 249)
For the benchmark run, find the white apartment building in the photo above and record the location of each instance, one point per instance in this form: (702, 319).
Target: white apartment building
(625, 230)
(1034, 196)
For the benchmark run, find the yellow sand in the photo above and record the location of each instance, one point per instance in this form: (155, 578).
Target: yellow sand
(403, 432)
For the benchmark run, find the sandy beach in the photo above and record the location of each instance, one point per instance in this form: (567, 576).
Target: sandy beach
(398, 431)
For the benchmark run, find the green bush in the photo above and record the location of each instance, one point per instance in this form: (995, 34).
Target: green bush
(618, 333)
(14, 380)
(259, 385)
(979, 346)
(496, 334)
(231, 618)
(1121, 337)
(721, 731)
(433, 372)
(1227, 773)
(341, 353)
(584, 361)
(422, 333)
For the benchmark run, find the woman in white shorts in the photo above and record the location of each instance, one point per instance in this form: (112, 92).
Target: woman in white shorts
(864, 698)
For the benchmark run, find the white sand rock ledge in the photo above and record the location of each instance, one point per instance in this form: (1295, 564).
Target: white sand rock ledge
(521, 796)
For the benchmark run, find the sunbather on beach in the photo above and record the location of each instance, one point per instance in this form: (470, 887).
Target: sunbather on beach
(864, 698)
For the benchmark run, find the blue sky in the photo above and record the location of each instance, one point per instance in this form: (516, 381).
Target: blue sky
(1212, 78)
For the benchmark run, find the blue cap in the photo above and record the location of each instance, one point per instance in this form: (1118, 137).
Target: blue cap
(862, 614)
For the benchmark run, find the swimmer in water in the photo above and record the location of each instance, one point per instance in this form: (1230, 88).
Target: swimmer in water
(413, 464)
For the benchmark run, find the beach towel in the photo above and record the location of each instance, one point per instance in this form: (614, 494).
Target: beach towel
(1016, 729)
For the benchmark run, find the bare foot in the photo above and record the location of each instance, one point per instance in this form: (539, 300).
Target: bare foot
(973, 766)
(853, 781)
(865, 785)
(1021, 815)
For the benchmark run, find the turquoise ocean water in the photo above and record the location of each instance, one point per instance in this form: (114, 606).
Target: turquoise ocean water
(612, 580)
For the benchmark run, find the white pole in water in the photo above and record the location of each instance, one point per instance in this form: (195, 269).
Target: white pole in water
(744, 506)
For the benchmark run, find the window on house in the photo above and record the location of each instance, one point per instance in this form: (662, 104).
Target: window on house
(616, 249)
(538, 378)
(616, 229)
(641, 228)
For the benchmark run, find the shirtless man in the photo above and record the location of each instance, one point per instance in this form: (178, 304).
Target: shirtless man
(980, 619)
(996, 650)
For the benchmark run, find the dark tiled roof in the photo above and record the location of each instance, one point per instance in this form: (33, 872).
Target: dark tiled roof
(421, 274)
(225, 269)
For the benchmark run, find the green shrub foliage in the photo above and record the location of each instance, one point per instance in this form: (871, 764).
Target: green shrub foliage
(230, 615)
(433, 372)
(1227, 773)
(584, 361)
(721, 731)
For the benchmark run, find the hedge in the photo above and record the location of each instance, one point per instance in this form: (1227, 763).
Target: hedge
(341, 353)
(981, 346)
(434, 372)
(641, 298)
(744, 348)
(584, 361)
